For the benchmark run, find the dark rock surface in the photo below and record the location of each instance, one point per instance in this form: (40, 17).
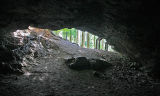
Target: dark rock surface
(46, 74)
(82, 63)
(131, 26)
(79, 63)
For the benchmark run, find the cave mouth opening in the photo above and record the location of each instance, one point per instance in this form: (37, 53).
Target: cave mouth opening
(84, 39)
(26, 45)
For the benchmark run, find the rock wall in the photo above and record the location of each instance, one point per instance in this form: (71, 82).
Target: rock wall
(131, 26)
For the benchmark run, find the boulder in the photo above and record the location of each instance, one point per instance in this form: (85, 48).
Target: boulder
(79, 63)
(82, 63)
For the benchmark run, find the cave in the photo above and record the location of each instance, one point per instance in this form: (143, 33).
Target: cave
(34, 63)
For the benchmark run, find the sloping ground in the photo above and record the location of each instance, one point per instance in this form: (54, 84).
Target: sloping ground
(46, 74)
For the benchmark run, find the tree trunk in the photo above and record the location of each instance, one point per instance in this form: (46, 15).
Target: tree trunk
(106, 46)
(97, 43)
(77, 37)
(102, 44)
(88, 41)
(83, 37)
(94, 41)
(70, 36)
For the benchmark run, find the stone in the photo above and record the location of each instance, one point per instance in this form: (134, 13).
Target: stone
(79, 63)
(82, 63)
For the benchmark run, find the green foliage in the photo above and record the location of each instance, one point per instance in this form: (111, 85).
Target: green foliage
(71, 35)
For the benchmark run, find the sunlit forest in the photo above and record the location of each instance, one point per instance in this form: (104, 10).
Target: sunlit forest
(83, 39)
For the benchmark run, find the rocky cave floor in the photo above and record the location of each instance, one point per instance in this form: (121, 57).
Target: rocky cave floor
(46, 74)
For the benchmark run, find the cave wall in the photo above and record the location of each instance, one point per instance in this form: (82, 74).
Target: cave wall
(132, 26)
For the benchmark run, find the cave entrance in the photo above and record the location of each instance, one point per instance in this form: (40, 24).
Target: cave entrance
(36, 44)
(84, 39)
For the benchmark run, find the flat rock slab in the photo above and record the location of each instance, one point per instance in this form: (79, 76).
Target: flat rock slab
(82, 63)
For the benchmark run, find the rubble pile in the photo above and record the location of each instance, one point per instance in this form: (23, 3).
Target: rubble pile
(24, 47)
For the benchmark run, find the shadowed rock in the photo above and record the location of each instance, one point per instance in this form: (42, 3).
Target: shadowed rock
(82, 63)
(131, 26)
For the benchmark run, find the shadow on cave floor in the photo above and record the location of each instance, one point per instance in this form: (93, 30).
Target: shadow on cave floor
(48, 75)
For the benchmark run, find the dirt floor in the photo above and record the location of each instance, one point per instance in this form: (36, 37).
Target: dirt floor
(48, 75)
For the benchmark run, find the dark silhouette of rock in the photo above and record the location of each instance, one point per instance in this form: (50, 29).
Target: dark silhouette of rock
(79, 63)
(82, 63)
